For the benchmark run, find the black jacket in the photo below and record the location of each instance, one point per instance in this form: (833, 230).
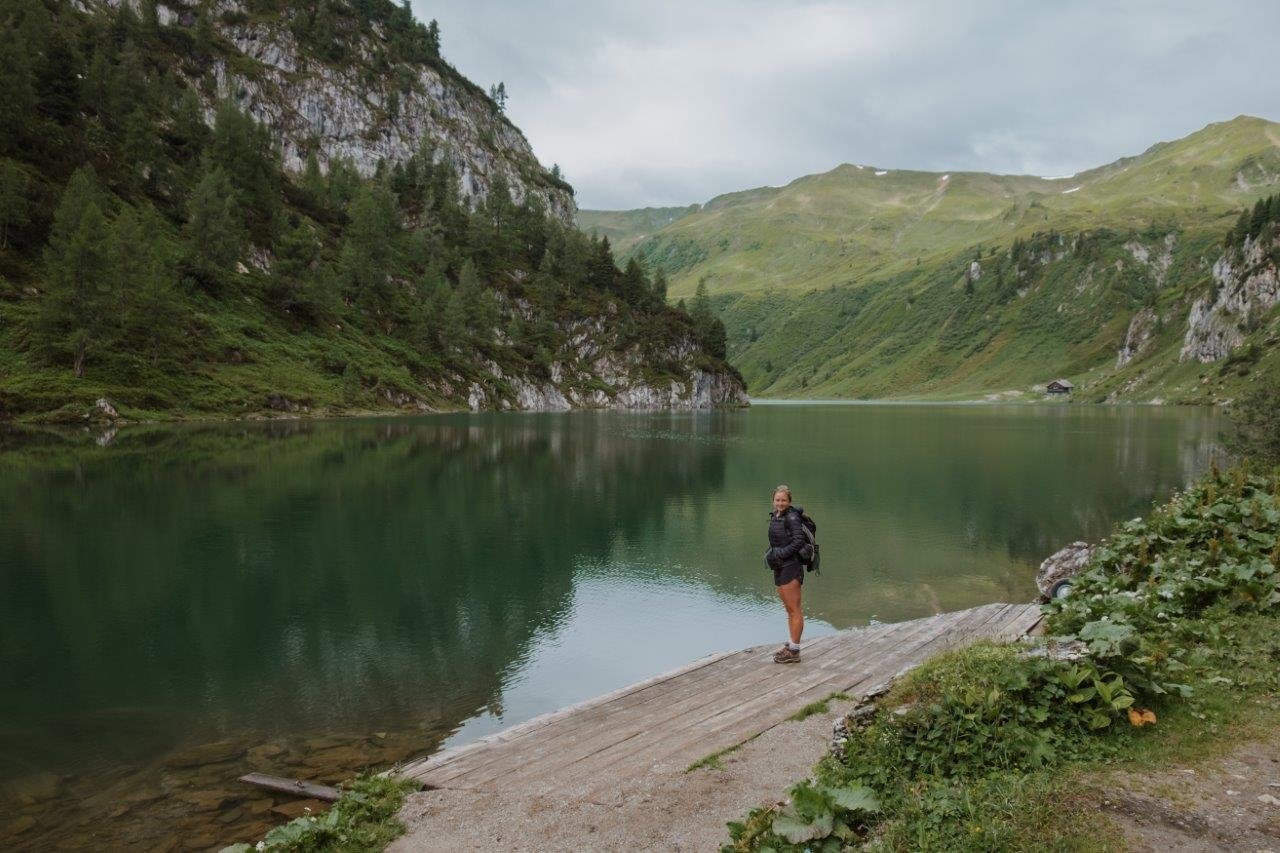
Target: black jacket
(786, 538)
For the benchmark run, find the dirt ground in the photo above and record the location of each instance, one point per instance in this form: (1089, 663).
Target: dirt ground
(1227, 803)
(670, 809)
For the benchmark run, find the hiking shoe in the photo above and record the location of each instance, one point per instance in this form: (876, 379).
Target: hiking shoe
(786, 654)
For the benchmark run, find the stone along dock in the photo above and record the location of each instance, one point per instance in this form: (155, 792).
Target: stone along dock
(653, 731)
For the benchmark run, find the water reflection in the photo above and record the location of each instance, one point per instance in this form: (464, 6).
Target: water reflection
(347, 593)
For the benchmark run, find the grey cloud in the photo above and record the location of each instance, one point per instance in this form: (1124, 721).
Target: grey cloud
(672, 102)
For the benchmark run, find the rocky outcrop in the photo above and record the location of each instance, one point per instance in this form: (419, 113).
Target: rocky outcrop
(367, 110)
(1246, 289)
(587, 377)
(1142, 328)
(1158, 260)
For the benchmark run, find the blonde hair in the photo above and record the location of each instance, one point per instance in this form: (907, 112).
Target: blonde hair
(783, 488)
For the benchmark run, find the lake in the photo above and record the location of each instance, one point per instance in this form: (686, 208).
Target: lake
(180, 605)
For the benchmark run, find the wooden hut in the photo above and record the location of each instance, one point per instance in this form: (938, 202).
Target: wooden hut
(1059, 386)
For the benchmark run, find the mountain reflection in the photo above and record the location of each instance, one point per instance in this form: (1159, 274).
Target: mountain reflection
(299, 576)
(164, 585)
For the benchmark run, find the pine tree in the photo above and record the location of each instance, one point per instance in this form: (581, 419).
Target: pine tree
(296, 253)
(431, 331)
(367, 253)
(214, 231)
(708, 327)
(158, 316)
(127, 263)
(601, 270)
(1258, 219)
(498, 94)
(472, 306)
(245, 150)
(73, 313)
(150, 18)
(660, 288)
(1238, 232)
(190, 133)
(141, 150)
(313, 179)
(433, 38)
(14, 205)
(18, 83)
(204, 32)
(633, 285)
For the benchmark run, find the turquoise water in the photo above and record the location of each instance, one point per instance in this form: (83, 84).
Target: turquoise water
(319, 597)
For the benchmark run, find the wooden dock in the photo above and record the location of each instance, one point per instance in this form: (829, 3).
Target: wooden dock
(720, 701)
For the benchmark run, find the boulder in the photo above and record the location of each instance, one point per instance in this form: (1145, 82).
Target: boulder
(104, 409)
(1063, 565)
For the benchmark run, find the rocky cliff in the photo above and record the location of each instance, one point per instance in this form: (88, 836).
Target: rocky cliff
(1245, 290)
(593, 371)
(370, 107)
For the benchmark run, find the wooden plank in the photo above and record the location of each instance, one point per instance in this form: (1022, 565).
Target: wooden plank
(423, 765)
(713, 703)
(1026, 622)
(970, 624)
(296, 787)
(599, 731)
(654, 689)
(716, 725)
(763, 678)
(913, 651)
(616, 722)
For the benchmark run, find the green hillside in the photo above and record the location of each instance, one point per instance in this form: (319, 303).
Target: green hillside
(179, 267)
(853, 283)
(625, 228)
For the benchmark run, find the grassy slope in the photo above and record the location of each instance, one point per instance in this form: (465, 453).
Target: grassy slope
(846, 283)
(625, 228)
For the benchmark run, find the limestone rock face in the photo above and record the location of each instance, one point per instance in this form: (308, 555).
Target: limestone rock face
(1063, 564)
(1141, 329)
(366, 109)
(1246, 288)
(589, 374)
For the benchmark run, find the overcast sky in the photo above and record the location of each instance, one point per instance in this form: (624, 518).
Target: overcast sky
(663, 103)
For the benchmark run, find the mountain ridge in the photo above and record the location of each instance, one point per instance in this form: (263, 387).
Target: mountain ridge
(857, 237)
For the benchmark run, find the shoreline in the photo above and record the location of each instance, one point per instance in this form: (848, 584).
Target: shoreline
(104, 424)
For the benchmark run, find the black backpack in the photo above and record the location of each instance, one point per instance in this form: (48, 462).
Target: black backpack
(809, 551)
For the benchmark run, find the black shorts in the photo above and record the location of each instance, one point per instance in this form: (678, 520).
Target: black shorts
(787, 574)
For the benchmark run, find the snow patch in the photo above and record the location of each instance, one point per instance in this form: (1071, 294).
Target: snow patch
(1058, 177)
(882, 172)
(1073, 189)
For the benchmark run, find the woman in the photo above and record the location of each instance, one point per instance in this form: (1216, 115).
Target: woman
(786, 538)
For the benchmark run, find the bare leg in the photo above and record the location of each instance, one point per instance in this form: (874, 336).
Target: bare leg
(790, 595)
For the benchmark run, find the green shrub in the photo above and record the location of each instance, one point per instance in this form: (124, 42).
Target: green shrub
(363, 819)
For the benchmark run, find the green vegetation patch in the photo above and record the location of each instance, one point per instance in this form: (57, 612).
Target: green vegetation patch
(821, 706)
(364, 818)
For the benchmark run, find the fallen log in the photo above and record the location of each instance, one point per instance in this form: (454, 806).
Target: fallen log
(296, 787)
